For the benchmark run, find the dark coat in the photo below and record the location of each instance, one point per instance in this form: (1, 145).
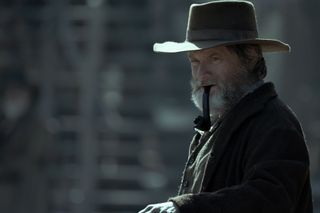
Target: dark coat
(25, 155)
(259, 163)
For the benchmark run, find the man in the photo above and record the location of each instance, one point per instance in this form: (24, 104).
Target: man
(25, 147)
(253, 157)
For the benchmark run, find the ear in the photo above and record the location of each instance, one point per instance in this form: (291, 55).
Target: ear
(253, 53)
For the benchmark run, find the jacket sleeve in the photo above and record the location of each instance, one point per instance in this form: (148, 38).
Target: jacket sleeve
(276, 169)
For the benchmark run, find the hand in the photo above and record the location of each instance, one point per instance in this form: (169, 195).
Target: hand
(167, 207)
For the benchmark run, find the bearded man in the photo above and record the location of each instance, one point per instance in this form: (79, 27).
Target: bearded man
(249, 153)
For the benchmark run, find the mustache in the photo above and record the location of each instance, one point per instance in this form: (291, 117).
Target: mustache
(198, 85)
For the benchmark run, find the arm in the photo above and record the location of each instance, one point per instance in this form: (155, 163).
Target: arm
(275, 172)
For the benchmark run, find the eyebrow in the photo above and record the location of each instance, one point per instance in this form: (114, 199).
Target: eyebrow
(191, 56)
(214, 53)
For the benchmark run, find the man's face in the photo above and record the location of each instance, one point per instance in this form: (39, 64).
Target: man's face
(222, 69)
(16, 102)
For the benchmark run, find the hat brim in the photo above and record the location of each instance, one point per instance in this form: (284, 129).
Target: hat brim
(267, 45)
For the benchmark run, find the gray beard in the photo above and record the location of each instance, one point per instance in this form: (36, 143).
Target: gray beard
(227, 97)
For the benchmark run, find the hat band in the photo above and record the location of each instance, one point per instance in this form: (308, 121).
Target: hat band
(217, 34)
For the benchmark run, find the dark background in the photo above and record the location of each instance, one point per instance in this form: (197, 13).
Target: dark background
(121, 115)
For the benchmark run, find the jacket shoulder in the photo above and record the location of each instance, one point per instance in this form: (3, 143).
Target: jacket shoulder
(276, 129)
(277, 115)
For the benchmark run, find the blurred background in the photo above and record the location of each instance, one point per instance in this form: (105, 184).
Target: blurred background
(93, 121)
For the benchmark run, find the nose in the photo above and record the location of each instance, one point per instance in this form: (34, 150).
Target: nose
(202, 73)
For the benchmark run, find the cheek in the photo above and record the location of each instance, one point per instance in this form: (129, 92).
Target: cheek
(193, 72)
(229, 73)
(219, 75)
(237, 76)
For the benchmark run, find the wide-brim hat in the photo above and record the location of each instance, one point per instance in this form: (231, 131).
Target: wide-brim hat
(221, 23)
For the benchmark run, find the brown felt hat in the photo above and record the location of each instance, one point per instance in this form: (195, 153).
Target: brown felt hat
(219, 23)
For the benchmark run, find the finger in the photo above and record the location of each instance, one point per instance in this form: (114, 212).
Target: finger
(145, 210)
(154, 210)
(171, 210)
(168, 210)
(142, 211)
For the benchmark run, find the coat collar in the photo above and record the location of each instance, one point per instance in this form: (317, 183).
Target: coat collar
(249, 105)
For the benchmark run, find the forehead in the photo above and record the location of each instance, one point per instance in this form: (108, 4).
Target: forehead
(221, 50)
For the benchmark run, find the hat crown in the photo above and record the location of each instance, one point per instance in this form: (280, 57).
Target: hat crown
(225, 18)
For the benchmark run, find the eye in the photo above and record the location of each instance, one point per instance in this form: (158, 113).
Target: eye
(215, 58)
(194, 61)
